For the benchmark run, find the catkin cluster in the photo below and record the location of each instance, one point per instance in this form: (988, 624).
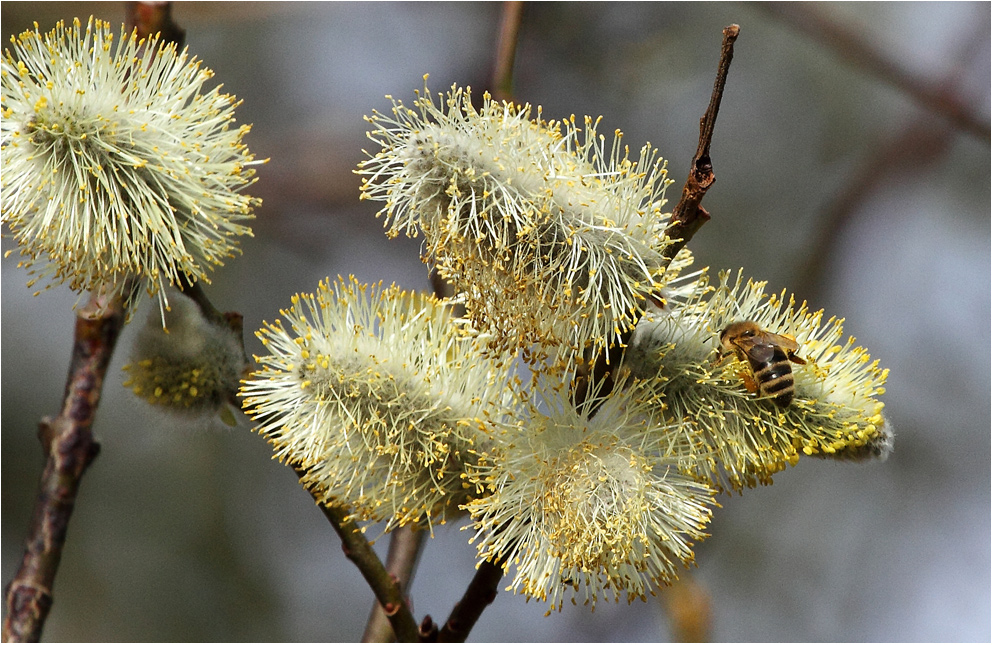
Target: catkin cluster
(554, 243)
(591, 480)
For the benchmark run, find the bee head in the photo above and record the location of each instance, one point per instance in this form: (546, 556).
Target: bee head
(740, 329)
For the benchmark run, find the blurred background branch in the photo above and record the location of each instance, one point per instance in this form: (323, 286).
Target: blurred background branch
(911, 146)
(857, 48)
(502, 85)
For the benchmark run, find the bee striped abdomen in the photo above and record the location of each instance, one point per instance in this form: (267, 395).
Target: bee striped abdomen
(775, 378)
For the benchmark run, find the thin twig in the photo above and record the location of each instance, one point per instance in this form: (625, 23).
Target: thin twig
(194, 291)
(502, 85)
(360, 552)
(69, 450)
(478, 595)
(689, 216)
(405, 548)
(857, 48)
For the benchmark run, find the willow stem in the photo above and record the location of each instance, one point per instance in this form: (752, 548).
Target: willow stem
(69, 450)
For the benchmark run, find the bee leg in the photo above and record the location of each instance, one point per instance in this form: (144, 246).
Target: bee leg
(749, 382)
(796, 359)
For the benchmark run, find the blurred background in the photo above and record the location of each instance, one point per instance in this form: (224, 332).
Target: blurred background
(852, 156)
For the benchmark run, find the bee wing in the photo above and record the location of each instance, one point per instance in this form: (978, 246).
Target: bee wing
(757, 348)
(788, 343)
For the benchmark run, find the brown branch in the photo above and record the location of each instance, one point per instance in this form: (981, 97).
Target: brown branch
(68, 440)
(359, 551)
(478, 595)
(69, 449)
(405, 547)
(194, 291)
(858, 49)
(503, 69)
(689, 216)
(920, 141)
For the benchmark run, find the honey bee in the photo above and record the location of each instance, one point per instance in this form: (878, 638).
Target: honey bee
(768, 355)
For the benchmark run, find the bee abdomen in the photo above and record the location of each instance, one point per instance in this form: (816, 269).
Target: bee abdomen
(775, 380)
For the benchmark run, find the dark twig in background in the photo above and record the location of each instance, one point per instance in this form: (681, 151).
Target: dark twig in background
(69, 450)
(846, 42)
(502, 85)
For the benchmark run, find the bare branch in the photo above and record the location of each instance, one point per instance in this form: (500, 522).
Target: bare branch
(383, 585)
(69, 449)
(689, 216)
(478, 595)
(359, 551)
(405, 548)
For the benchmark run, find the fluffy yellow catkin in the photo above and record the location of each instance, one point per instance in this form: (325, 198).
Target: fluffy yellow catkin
(551, 238)
(378, 398)
(588, 506)
(115, 164)
(835, 411)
